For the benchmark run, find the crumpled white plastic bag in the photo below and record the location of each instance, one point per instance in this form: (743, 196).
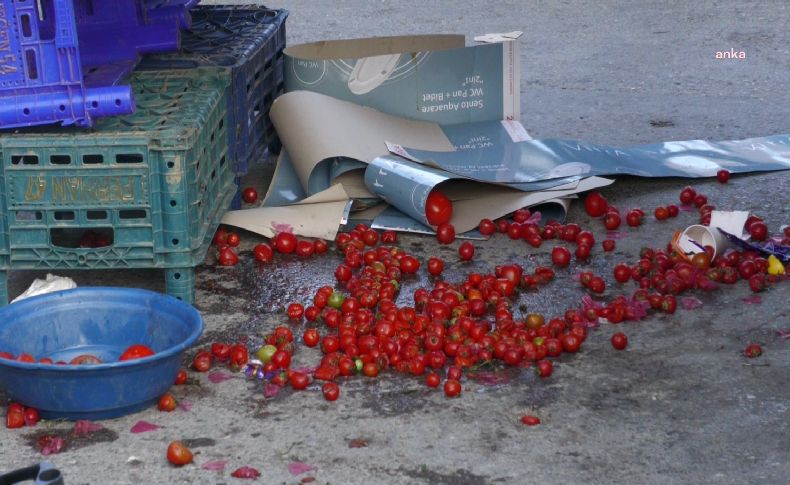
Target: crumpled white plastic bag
(48, 285)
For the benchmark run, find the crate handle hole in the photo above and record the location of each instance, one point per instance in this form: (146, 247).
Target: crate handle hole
(177, 276)
(173, 203)
(117, 102)
(175, 242)
(62, 107)
(26, 111)
(170, 164)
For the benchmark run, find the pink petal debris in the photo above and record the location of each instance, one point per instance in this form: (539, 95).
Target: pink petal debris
(282, 227)
(489, 378)
(218, 376)
(297, 468)
(185, 405)
(783, 334)
(616, 235)
(216, 465)
(84, 427)
(49, 445)
(690, 303)
(753, 300)
(270, 390)
(144, 427)
(687, 208)
(246, 472)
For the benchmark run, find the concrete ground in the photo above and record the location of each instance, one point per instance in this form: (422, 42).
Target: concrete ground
(680, 405)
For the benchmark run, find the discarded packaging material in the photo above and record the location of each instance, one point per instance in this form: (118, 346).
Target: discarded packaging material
(48, 285)
(694, 238)
(424, 77)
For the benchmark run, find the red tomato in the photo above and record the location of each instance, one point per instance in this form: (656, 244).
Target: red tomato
(530, 420)
(570, 343)
(370, 237)
(611, 221)
(331, 391)
(320, 246)
(136, 351)
(687, 195)
(311, 337)
(753, 350)
(249, 195)
(432, 379)
(487, 227)
(232, 239)
(435, 266)
(545, 368)
(23, 357)
(304, 249)
(299, 380)
(85, 359)
(31, 417)
(178, 454)
(227, 257)
(219, 236)
(181, 377)
(202, 361)
(220, 351)
(619, 341)
(438, 208)
(167, 403)
(560, 256)
(281, 359)
(452, 388)
(285, 242)
(295, 311)
(608, 245)
(389, 237)
(661, 213)
(370, 369)
(454, 372)
(238, 356)
(595, 204)
(445, 234)
(466, 251)
(633, 218)
(14, 419)
(409, 264)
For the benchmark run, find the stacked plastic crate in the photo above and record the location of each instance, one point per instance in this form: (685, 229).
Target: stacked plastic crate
(143, 190)
(248, 43)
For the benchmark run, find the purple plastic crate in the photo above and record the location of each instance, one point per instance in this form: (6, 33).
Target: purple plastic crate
(41, 76)
(158, 10)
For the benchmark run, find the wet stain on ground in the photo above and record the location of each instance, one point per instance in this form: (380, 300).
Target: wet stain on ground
(199, 442)
(72, 440)
(457, 477)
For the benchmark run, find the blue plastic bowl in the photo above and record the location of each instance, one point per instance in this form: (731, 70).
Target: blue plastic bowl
(102, 322)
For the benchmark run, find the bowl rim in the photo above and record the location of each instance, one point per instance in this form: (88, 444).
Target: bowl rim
(76, 292)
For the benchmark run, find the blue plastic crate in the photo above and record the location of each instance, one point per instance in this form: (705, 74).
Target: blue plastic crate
(41, 78)
(113, 35)
(247, 41)
(153, 185)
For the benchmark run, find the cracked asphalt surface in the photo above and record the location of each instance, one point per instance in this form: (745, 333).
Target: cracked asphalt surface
(680, 405)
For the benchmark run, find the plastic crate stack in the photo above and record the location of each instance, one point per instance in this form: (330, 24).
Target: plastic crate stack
(248, 43)
(60, 60)
(141, 190)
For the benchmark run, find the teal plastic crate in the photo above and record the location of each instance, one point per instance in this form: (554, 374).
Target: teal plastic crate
(154, 184)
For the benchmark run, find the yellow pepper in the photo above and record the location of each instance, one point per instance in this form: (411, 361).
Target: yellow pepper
(775, 266)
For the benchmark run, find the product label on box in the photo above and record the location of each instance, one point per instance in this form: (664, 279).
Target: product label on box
(459, 85)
